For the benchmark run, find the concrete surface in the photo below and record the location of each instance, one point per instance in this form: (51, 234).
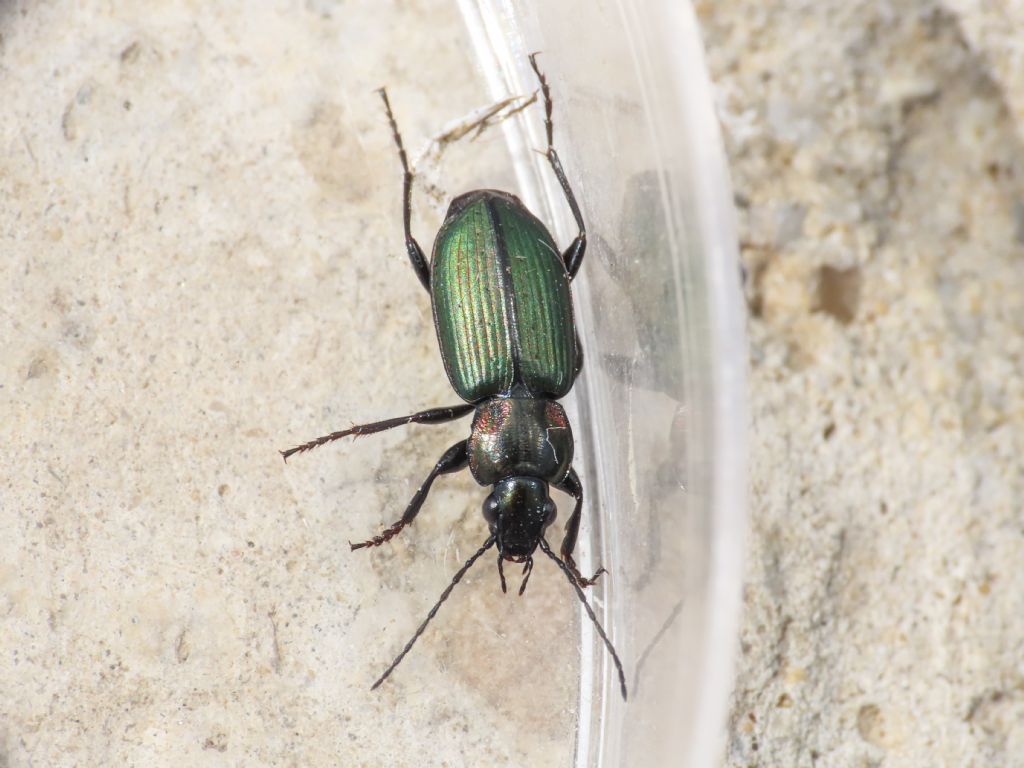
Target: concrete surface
(878, 169)
(204, 264)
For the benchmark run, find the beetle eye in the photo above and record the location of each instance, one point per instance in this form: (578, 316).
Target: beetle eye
(550, 513)
(491, 510)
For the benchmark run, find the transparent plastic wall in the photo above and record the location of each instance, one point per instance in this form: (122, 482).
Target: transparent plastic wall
(660, 414)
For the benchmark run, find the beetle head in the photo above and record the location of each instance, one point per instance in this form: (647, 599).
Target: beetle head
(517, 511)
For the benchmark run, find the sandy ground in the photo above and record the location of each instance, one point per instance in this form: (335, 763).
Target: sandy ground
(878, 170)
(204, 264)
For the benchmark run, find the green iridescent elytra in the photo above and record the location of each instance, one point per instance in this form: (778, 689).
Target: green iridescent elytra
(502, 307)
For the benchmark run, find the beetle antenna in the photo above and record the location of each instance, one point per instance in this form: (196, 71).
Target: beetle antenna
(433, 611)
(527, 570)
(590, 612)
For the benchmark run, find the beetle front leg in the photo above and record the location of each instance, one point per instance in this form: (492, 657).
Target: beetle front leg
(574, 488)
(416, 257)
(573, 255)
(454, 459)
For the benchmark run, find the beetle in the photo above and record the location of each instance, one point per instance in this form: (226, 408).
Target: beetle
(503, 314)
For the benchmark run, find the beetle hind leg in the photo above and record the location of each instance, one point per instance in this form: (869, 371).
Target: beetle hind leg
(416, 257)
(453, 460)
(572, 257)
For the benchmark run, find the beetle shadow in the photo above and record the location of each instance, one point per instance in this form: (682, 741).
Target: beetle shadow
(640, 334)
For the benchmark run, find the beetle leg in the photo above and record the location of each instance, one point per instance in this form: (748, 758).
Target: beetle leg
(416, 258)
(454, 459)
(572, 257)
(433, 416)
(579, 358)
(574, 488)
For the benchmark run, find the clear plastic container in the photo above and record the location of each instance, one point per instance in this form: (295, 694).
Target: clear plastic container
(660, 410)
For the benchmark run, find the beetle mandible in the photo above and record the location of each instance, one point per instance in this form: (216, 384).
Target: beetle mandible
(503, 314)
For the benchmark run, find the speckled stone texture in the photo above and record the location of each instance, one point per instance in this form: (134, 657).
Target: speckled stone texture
(876, 152)
(202, 264)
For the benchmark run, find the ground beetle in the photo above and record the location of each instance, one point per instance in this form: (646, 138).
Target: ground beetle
(504, 321)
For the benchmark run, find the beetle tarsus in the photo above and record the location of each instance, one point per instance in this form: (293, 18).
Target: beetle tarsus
(546, 90)
(453, 460)
(431, 416)
(583, 582)
(388, 534)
